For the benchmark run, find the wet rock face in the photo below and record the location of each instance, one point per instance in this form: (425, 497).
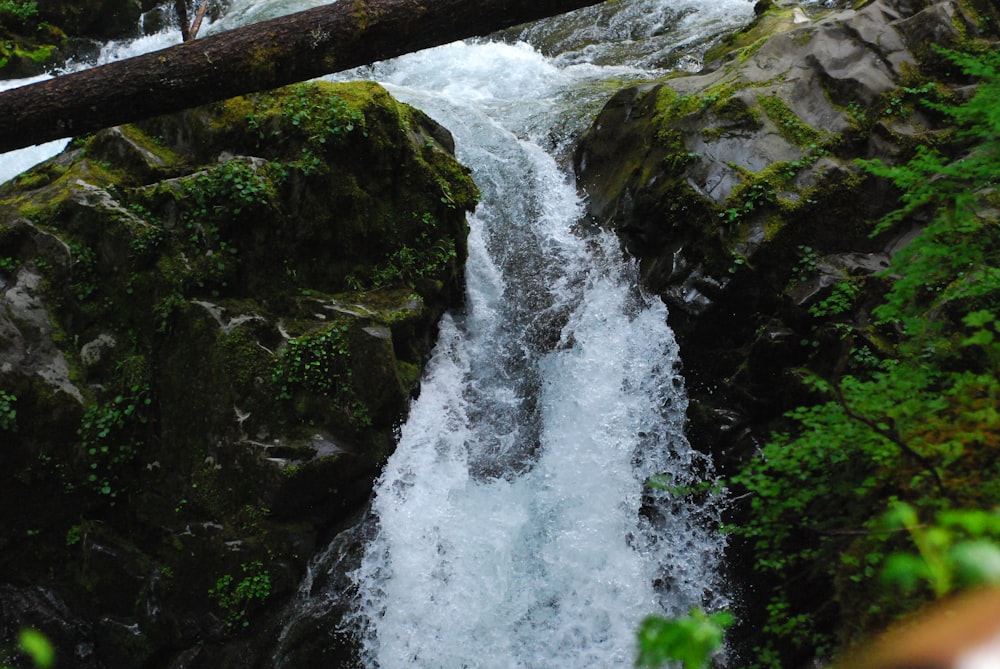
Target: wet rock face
(95, 19)
(210, 327)
(36, 37)
(737, 190)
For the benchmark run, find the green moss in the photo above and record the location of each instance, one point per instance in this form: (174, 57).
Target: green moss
(790, 126)
(744, 53)
(169, 157)
(260, 62)
(242, 358)
(747, 41)
(669, 106)
(409, 373)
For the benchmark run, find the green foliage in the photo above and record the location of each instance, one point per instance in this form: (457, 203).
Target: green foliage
(234, 597)
(960, 549)
(840, 300)
(212, 203)
(84, 281)
(234, 186)
(36, 646)
(110, 436)
(319, 118)
(807, 263)
(16, 14)
(8, 412)
(692, 639)
(918, 421)
(317, 362)
(749, 198)
(427, 257)
(320, 362)
(318, 115)
(956, 257)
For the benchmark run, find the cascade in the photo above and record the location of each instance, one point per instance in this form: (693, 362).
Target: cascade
(515, 525)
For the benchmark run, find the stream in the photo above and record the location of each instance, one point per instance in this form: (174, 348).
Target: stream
(515, 525)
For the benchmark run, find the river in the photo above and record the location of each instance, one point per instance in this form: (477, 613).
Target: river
(515, 525)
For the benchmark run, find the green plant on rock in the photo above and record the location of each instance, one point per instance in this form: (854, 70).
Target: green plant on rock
(840, 300)
(320, 363)
(110, 435)
(213, 202)
(84, 283)
(747, 199)
(8, 411)
(235, 596)
(316, 362)
(234, 186)
(426, 258)
(806, 265)
(318, 115)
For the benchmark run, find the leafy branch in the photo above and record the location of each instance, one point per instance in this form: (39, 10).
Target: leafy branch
(887, 431)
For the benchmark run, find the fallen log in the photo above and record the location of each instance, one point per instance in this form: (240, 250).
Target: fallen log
(281, 51)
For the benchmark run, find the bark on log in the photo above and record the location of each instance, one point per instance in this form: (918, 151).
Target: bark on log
(266, 55)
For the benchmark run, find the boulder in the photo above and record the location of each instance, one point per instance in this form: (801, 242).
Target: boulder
(211, 325)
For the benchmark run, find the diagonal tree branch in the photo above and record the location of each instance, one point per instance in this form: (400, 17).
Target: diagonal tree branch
(889, 433)
(297, 47)
(198, 18)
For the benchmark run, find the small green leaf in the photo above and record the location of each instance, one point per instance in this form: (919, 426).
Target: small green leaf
(38, 647)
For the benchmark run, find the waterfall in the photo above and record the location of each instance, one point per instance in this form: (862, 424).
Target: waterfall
(516, 525)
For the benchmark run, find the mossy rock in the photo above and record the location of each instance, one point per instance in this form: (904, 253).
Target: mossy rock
(213, 324)
(718, 180)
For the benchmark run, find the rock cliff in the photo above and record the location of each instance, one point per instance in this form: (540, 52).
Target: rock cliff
(737, 190)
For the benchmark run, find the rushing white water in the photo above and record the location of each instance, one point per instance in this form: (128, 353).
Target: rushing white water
(514, 525)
